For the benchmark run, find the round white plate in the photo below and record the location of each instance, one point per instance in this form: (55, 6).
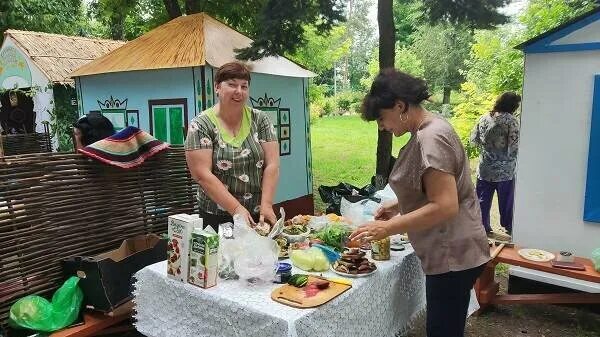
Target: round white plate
(351, 275)
(536, 255)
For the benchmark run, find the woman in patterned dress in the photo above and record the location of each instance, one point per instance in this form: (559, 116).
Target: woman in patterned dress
(497, 136)
(233, 154)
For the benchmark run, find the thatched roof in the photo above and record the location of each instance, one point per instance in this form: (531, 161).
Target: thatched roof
(187, 41)
(58, 55)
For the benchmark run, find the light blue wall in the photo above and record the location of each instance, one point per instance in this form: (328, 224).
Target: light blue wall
(140, 86)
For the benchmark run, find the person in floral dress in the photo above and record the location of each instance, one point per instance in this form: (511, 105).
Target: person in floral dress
(497, 136)
(233, 154)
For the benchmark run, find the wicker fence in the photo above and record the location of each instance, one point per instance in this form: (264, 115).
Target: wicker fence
(26, 143)
(56, 205)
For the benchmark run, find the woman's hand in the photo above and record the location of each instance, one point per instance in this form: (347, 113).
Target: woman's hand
(267, 214)
(374, 230)
(241, 210)
(388, 210)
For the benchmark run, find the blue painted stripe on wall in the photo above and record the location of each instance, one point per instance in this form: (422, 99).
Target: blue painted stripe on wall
(543, 45)
(591, 210)
(563, 48)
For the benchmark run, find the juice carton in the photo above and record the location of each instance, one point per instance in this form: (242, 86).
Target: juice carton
(179, 229)
(204, 256)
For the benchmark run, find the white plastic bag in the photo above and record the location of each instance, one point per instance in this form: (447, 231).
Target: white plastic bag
(255, 257)
(358, 213)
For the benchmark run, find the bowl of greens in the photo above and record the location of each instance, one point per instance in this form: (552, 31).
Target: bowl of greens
(295, 232)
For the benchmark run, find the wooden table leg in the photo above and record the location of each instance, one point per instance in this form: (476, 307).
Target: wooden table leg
(486, 287)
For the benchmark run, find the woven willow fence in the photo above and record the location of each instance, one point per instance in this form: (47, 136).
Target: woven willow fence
(56, 205)
(26, 143)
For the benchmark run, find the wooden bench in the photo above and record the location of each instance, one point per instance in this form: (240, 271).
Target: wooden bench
(487, 289)
(96, 322)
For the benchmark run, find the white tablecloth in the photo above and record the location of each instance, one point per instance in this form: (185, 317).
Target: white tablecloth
(382, 304)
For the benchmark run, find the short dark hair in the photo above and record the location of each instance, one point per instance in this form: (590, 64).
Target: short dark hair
(94, 127)
(389, 87)
(507, 102)
(232, 70)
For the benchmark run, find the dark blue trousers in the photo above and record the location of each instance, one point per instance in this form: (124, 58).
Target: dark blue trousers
(448, 297)
(506, 201)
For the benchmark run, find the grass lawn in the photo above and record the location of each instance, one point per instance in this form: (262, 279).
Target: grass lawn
(344, 150)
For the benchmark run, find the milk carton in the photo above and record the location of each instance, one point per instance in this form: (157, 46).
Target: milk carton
(203, 265)
(179, 229)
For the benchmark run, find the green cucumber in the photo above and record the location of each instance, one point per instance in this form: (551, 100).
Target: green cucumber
(298, 280)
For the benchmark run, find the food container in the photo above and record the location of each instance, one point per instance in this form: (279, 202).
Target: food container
(380, 249)
(284, 272)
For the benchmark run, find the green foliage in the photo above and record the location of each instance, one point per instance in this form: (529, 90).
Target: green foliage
(406, 60)
(466, 114)
(52, 16)
(409, 15)
(329, 106)
(543, 15)
(442, 50)
(473, 13)
(274, 38)
(362, 33)
(63, 116)
(494, 65)
(347, 100)
(321, 52)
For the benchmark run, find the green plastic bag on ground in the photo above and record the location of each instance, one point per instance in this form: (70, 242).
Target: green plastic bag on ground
(36, 313)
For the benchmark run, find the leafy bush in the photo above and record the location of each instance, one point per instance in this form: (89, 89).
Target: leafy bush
(466, 114)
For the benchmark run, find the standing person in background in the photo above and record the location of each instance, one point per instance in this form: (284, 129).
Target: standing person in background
(497, 136)
(233, 154)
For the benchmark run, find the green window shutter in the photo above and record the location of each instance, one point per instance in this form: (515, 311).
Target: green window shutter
(176, 125)
(160, 123)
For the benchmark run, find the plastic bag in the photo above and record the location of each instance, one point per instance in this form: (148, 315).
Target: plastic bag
(255, 257)
(226, 247)
(596, 259)
(386, 194)
(332, 195)
(357, 213)
(36, 313)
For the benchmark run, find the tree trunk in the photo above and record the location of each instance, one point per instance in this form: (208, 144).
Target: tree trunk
(117, 23)
(447, 92)
(192, 6)
(173, 9)
(387, 41)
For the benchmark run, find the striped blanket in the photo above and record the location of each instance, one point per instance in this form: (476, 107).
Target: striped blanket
(126, 149)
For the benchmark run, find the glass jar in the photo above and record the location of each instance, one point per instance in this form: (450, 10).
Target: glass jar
(380, 249)
(284, 272)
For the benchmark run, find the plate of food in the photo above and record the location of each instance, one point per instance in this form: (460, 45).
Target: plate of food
(295, 231)
(536, 255)
(353, 263)
(283, 247)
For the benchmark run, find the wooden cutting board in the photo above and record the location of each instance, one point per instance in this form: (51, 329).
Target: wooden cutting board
(295, 297)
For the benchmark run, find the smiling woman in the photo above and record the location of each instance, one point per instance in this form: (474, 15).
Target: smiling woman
(232, 152)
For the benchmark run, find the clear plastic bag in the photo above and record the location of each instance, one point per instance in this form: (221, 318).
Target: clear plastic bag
(255, 257)
(357, 213)
(226, 247)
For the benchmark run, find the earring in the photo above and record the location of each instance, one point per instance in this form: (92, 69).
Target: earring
(403, 120)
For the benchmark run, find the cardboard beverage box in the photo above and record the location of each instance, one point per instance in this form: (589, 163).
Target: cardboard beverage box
(106, 279)
(179, 230)
(203, 263)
